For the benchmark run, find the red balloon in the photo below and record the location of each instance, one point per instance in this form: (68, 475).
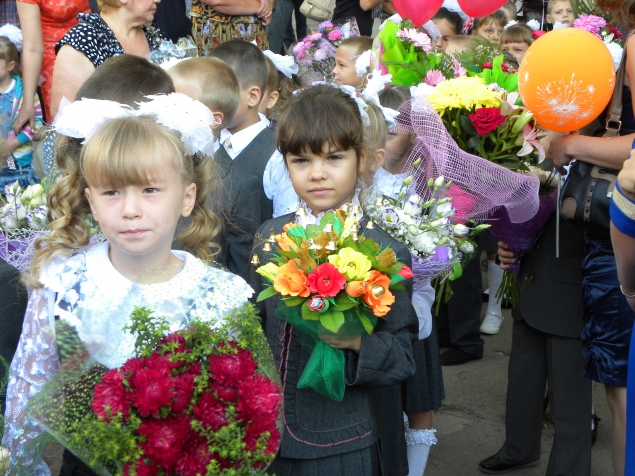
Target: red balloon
(480, 8)
(418, 11)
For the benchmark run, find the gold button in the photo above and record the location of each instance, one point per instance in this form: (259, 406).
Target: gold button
(529, 278)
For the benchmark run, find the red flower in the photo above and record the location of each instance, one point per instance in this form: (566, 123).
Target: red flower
(195, 369)
(196, 457)
(255, 430)
(175, 338)
(227, 394)
(229, 369)
(111, 393)
(142, 469)
(406, 272)
(164, 439)
(183, 388)
(487, 119)
(152, 390)
(210, 412)
(488, 65)
(258, 400)
(326, 280)
(131, 366)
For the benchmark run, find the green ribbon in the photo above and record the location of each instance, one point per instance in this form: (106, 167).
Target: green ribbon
(324, 372)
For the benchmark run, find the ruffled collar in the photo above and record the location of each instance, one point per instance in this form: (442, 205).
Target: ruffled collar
(304, 216)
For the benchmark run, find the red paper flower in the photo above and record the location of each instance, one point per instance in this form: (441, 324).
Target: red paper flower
(258, 400)
(111, 393)
(210, 412)
(164, 439)
(326, 280)
(229, 369)
(406, 272)
(487, 119)
(183, 389)
(152, 390)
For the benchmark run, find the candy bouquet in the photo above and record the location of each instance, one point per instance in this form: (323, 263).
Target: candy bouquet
(334, 282)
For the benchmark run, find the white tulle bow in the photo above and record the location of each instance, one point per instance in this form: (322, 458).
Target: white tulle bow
(285, 64)
(376, 82)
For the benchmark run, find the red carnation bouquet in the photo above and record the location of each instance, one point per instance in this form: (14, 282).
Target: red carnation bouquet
(192, 402)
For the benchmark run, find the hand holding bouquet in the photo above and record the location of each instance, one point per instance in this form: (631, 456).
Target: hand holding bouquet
(332, 282)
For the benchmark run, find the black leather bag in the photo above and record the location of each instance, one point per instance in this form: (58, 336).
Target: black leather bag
(586, 194)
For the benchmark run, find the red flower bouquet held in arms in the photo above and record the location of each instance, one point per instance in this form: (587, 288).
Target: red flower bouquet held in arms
(333, 283)
(192, 402)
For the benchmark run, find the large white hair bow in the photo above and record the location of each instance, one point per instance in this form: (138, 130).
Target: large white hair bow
(285, 64)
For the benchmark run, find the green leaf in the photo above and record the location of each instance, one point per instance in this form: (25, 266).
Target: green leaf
(467, 125)
(289, 254)
(308, 314)
(395, 278)
(368, 326)
(312, 231)
(367, 247)
(397, 287)
(328, 218)
(297, 231)
(266, 293)
(344, 302)
(349, 243)
(474, 142)
(332, 320)
(293, 301)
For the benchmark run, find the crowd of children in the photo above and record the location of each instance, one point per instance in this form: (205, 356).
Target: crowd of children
(277, 149)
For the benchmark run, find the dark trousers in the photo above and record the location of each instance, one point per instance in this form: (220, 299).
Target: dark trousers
(459, 319)
(277, 28)
(536, 358)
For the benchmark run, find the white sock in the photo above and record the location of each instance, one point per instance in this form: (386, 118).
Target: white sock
(418, 449)
(494, 279)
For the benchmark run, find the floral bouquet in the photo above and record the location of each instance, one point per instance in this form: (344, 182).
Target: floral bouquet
(315, 54)
(482, 123)
(23, 218)
(332, 282)
(609, 34)
(407, 54)
(424, 224)
(198, 401)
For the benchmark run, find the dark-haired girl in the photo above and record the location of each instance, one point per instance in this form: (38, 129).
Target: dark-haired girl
(320, 136)
(449, 24)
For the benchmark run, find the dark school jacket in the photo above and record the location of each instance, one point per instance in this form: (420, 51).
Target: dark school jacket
(316, 426)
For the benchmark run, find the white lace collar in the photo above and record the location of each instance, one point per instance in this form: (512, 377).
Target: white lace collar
(306, 217)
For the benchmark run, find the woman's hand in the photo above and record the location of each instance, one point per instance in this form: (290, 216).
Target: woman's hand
(265, 11)
(505, 256)
(354, 343)
(559, 151)
(32, 54)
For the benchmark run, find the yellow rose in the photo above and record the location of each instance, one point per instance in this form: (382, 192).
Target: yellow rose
(352, 264)
(268, 271)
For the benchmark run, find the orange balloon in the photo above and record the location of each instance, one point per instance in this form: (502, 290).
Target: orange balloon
(566, 79)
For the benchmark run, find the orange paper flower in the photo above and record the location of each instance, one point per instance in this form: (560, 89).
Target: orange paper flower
(378, 296)
(291, 281)
(356, 289)
(285, 243)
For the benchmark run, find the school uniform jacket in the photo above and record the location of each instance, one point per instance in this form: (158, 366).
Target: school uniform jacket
(316, 426)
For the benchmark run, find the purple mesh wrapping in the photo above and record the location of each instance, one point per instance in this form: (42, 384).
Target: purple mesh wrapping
(479, 186)
(425, 270)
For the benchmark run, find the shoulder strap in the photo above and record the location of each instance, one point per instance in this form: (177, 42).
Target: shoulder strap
(613, 122)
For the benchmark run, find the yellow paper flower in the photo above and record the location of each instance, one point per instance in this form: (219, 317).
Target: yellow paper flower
(352, 264)
(463, 93)
(268, 271)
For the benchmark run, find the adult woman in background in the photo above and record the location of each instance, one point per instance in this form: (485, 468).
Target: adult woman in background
(122, 26)
(218, 21)
(44, 23)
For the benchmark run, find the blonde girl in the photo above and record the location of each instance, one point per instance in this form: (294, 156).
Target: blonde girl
(137, 178)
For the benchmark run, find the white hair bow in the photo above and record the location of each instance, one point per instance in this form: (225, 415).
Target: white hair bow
(13, 33)
(375, 84)
(191, 118)
(285, 64)
(363, 63)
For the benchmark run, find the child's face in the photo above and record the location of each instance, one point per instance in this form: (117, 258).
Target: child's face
(518, 50)
(344, 70)
(398, 147)
(327, 180)
(6, 68)
(562, 12)
(490, 30)
(447, 31)
(139, 221)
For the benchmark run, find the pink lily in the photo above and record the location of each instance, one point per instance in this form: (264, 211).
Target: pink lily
(531, 142)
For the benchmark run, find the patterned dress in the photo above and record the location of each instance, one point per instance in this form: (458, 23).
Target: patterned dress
(211, 28)
(57, 17)
(87, 292)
